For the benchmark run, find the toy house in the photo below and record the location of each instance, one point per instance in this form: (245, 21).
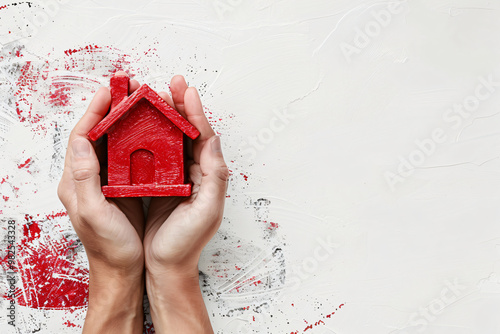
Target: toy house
(145, 143)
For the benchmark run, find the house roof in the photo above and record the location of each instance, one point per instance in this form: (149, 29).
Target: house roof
(147, 93)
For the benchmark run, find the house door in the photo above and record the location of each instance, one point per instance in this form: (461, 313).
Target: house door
(142, 169)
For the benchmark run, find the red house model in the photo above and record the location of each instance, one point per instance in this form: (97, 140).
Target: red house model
(145, 143)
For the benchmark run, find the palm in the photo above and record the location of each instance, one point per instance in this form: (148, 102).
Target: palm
(111, 230)
(126, 226)
(117, 223)
(175, 226)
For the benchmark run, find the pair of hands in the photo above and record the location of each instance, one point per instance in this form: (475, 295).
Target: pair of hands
(121, 243)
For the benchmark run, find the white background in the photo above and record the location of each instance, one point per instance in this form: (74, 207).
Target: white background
(368, 130)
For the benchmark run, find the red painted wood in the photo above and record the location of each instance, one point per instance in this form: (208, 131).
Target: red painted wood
(143, 92)
(142, 168)
(118, 85)
(147, 190)
(145, 144)
(145, 128)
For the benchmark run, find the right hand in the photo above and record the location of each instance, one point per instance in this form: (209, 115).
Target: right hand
(111, 231)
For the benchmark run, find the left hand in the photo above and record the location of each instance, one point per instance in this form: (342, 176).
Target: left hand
(177, 229)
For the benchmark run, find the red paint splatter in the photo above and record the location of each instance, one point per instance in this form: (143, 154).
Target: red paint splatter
(120, 61)
(317, 323)
(16, 4)
(70, 324)
(57, 214)
(31, 231)
(50, 278)
(59, 95)
(149, 50)
(69, 52)
(272, 226)
(26, 85)
(250, 281)
(24, 164)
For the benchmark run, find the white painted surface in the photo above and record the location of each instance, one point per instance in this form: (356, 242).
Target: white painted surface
(363, 83)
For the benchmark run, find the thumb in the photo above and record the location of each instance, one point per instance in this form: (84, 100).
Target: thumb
(215, 172)
(85, 167)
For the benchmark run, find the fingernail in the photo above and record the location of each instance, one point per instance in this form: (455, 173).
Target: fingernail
(215, 144)
(121, 73)
(80, 147)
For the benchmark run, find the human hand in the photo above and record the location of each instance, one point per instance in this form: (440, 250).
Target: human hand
(177, 229)
(111, 231)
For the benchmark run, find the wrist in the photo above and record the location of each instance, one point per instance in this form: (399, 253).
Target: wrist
(115, 304)
(179, 263)
(166, 286)
(116, 262)
(176, 302)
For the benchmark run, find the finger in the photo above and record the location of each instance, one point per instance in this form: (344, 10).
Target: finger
(212, 192)
(195, 176)
(132, 86)
(94, 114)
(85, 168)
(130, 207)
(66, 191)
(178, 87)
(160, 208)
(166, 98)
(196, 116)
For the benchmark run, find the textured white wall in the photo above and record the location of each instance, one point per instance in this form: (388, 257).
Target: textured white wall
(362, 137)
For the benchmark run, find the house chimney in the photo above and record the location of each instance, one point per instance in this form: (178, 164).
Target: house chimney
(119, 88)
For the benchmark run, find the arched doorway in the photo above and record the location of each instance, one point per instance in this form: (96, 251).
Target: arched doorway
(142, 167)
